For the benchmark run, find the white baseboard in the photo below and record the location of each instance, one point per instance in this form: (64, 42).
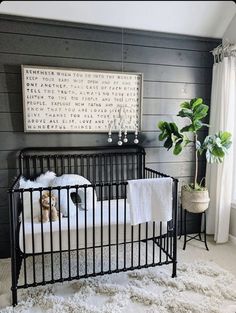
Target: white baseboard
(232, 239)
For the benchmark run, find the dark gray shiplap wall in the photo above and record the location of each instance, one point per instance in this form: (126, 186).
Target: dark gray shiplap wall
(175, 68)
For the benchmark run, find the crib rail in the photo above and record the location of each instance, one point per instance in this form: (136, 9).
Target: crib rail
(97, 164)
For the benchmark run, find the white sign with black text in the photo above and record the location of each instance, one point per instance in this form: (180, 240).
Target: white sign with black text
(74, 100)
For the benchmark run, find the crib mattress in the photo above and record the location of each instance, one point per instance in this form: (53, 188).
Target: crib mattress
(38, 240)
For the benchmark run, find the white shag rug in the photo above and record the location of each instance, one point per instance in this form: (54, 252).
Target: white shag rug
(201, 287)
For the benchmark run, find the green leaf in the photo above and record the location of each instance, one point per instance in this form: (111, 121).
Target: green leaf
(185, 105)
(161, 125)
(215, 147)
(200, 112)
(174, 128)
(177, 149)
(163, 136)
(197, 102)
(168, 143)
(225, 136)
(188, 128)
(192, 102)
(185, 113)
(197, 125)
(218, 152)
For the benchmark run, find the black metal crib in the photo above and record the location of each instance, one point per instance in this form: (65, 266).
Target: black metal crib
(99, 239)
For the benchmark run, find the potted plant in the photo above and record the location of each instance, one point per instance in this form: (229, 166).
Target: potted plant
(195, 197)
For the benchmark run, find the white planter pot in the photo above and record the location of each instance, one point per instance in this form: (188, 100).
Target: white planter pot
(195, 201)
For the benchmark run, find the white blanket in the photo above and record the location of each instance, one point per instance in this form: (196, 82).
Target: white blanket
(150, 199)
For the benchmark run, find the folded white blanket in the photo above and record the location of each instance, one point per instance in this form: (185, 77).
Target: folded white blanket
(150, 200)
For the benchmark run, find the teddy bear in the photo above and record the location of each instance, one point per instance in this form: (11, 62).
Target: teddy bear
(45, 202)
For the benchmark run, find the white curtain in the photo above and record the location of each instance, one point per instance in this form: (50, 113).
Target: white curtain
(219, 177)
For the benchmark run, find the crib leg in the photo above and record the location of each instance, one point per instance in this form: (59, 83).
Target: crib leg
(175, 220)
(14, 296)
(13, 227)
(174, 270)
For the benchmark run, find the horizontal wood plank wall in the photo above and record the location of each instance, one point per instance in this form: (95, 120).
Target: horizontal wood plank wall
(175, 68)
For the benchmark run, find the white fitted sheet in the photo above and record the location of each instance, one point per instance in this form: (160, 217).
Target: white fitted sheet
(36, 235)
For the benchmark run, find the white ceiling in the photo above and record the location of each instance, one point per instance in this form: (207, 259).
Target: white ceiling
(199, 18)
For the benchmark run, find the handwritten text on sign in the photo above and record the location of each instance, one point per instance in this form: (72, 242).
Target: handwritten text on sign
(61, 100)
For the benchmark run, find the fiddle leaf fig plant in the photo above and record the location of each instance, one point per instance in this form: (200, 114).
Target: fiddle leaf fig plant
(214, 146)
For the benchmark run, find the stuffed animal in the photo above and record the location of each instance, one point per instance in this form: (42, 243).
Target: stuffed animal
(48, 214)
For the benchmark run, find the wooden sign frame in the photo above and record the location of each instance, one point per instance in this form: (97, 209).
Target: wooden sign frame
(80, 100)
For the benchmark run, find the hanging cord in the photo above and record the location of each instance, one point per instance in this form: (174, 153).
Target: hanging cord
(122, 49)
(214, 58)
(218, 53)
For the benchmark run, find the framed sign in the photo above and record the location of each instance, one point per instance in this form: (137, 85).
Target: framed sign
(79, 100)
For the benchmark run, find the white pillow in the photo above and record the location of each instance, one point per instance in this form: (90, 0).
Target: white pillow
(42, 181)
(45, 179)
(71, 180)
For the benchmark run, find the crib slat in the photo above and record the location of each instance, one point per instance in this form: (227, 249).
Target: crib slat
(88, 167)
(160, 241)
(146, 243)
(94, 260)
(116, 168)
(60, 242)
(27, 161)
(109, 225)
(32, 229)
(167, 240)
(101, 197)
(122, 175)
(164, 242)
(117, 226)
(77, 235)
(139, 244)
(100, 168)
(132, 246)
(42, 236)
(133, 167)
(63, 167)
(75, 164)
(23, 228)
(127, 166)
(125, 196)
(85, 222)
(111, 174)
(69, 164)
(51, 235)
(34, 165)
(41, 164)
(94, 170)
(153, 242)
(55, 163)
(105, 170)
(68, 224)
(82, 165)
(48, 163)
